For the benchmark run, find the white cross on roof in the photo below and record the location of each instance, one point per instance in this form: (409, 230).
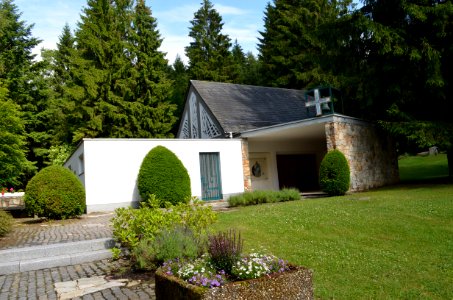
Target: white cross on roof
(317, 101)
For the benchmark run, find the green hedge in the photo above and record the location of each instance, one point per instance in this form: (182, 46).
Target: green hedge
(334, 174)
(55, 193)
(258, 197)
(162, 174)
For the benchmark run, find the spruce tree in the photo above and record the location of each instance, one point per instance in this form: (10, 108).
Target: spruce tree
(180, 76)
(25, 80)
(208, 53)
(151, 111)
(13, 149)
(291, 47)
(119, 85)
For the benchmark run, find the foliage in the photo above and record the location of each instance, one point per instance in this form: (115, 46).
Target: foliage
(13, 160)
(55, 193)
(334, 174)
(163, 175)
(225, 249)
(58, 154)
(179, 74)
(118, 83)
(26, 84)
(256, 265)
(345, 239)
(6, 223)
(173, 243)
(132, 225)
(292, 48)
(208, 53)
(261, 196)
(116, 253)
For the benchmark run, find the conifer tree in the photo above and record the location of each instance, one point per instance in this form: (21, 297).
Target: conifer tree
(151, 111)
(119, 84)
(25, 80)
(180, 76)
(291, 49)
(208, 53)
(13, 159)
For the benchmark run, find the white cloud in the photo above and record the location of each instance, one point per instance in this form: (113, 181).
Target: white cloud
(174, 45)
(229, 10)
(180, 14)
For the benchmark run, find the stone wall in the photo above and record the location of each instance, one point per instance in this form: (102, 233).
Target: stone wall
(371, 153)
(12, 201)
(246, 165)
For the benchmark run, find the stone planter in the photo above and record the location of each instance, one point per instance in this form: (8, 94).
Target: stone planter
(294, 284)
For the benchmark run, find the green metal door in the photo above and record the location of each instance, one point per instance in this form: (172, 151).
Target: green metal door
(211, 182)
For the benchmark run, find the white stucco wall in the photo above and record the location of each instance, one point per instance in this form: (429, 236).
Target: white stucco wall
(112, 165)
(270, 150)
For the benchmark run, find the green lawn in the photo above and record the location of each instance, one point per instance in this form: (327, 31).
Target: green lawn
(423, 168)
(392, 243)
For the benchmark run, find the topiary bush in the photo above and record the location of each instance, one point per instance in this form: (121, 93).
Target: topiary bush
(334, 174)
(6, 222)
(55, 193)
(162, 174)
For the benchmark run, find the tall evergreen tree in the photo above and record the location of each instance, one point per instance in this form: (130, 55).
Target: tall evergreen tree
(407, 83)
(208, 53)
(180, 76)
(13, 149)
(25, 80)
(152, 94)
(291, 50)
(119, 84)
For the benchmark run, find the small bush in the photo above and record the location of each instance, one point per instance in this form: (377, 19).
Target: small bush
(55, 193)
(132, 225)
(170, 244)
(164, 175)
(225, 250)
(259, 196)
(6, 222)
(334, 174)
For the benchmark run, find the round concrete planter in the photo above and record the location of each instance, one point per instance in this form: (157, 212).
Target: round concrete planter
(294, 284)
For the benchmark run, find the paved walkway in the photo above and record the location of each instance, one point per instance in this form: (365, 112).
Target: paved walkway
(40, 284)
(34, 232)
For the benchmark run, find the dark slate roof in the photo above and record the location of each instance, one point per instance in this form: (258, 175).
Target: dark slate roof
(240, 107)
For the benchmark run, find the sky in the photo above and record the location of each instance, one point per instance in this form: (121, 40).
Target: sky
(243, 19)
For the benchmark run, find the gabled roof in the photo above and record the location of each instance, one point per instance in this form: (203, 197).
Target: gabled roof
(240, 107)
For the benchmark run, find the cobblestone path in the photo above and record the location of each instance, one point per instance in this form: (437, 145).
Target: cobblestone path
(30, 232)
(40, 284)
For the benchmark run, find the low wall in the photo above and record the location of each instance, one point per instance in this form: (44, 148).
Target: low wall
(370, 152)
(12, 201)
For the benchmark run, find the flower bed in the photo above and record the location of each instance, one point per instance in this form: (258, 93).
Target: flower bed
(295, 283)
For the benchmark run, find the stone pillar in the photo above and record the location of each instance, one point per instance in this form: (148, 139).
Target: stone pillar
(246, 165)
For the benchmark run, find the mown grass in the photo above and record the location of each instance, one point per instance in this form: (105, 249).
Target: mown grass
(392, 243)
(423, 168)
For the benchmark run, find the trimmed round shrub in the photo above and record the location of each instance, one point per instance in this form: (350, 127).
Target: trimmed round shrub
(55, 193)
(334, 175)
(162, 174)
(6, 222)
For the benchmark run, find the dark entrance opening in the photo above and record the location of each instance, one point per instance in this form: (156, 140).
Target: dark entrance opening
(298, 171)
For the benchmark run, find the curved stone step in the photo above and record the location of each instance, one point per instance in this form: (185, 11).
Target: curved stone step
(55, 255)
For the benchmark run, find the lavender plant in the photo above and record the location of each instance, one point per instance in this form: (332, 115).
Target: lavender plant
(225, 250)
